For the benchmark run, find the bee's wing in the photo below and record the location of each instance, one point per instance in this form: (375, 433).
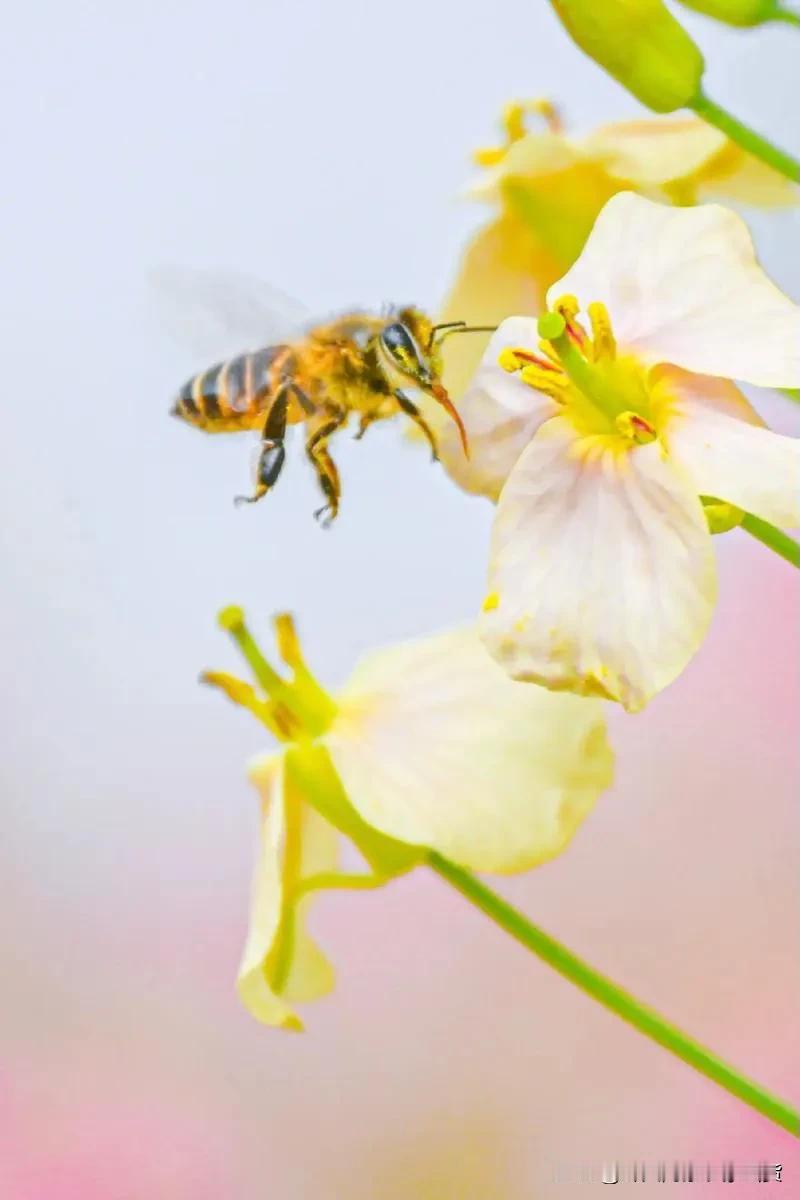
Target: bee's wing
(216, 314)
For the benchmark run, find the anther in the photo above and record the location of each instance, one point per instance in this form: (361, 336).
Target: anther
(634, 427)
(511, 358)
(545, 379)
(568, 307)
(288, 641)
(604, 344)
(488, 156)
(513, 120)
(549, 114)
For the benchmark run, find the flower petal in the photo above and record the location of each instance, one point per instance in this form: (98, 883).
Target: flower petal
(281, 964)
(436, 746)
(500, 413)
(602, 567)
(683, 286)
(654, 152)
(733, 459)
(503, 270)
(735, 175)
(531, 156)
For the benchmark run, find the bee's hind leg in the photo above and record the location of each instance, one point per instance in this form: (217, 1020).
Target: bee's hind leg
(272, 456)
(410, 409)
(325, 467)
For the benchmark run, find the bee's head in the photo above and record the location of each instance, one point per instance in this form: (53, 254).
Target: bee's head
(405, 354)
(401, 343)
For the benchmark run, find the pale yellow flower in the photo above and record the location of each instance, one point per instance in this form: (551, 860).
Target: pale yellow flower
(548, 188)
(429, 746)
(599, 440)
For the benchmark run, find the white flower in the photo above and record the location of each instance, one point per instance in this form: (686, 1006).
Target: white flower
(429, 746)
(599, 442)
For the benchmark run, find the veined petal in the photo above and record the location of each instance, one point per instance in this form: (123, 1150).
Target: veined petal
(436, 746)
(602, 568)
(500, 413)
(683, 286)
(281, 964)
(733, 459)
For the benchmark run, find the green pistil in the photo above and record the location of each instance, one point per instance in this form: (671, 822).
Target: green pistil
(610, 388)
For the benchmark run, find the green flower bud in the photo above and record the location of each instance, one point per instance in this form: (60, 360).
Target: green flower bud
(641, 44)
(737, 12)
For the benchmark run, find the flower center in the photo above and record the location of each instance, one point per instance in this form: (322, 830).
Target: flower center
(296, 709)
(602, 391)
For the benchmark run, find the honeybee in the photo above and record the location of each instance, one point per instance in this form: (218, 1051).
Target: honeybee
(358, 364)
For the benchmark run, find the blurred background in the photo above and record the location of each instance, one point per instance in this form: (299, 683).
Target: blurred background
(323, 148)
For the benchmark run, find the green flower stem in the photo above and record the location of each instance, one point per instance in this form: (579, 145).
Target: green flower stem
(618, 1001)
(772, 537)
(745, 137)
(792, 393)
(787, 15)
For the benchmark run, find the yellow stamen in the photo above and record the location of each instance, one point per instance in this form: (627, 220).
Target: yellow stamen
(489, 156)
(568, 306)
(552, 383)
(508, 360)
(513, 121)
(548, 352)
(634, 427)
(548, 112)
(604, 344)
(288, 641)
(491, 602)
(513, 124)
(276, 717)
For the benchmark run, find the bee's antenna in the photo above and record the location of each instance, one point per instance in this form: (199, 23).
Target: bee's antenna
(451, 327)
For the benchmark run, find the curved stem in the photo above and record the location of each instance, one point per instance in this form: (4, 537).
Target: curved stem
(746, 137)
(648, 1022)
(772, 537)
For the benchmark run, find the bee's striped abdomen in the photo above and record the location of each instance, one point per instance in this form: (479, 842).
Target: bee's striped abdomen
(230, 395)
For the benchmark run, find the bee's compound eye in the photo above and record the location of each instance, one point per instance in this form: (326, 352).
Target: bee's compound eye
(397, 341)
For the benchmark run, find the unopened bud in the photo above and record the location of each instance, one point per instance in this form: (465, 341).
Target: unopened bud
(641, 44)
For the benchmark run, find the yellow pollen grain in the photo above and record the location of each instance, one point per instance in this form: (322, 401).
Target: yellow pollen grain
(604, 344)
(491, 602)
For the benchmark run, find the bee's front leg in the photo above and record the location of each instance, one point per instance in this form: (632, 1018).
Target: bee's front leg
(273, 453)
(410, 409)
(323, 464)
